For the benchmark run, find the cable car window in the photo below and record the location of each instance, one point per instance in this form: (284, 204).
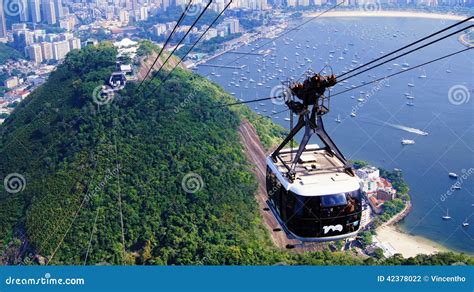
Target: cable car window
(353, 202)
(334, 200)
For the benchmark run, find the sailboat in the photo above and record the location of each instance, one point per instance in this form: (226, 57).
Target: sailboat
(446, 217)
(338, 119)
(465, 223)
(423, 75)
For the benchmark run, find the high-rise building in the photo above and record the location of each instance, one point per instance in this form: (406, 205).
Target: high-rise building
(24, 11)
(143, 13)
(49, 12)
(232, 25)
(59, 9)
(60, 50)
(35, 10)
(159, 29)
(66, 36)
(40, 35)
(3, 24)
(67, 22)
(124, 17)
(24, 37)
(75, 43)
(165, 4)
(34, 53)
(47, 50)
(18, 26)
(52, 37)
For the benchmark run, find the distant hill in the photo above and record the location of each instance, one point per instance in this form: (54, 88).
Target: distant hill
(139, 179)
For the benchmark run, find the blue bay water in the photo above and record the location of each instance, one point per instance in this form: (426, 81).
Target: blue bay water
(373, 135)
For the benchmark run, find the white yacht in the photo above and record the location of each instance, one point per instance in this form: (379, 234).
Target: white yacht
(408, 142)
(452, 175)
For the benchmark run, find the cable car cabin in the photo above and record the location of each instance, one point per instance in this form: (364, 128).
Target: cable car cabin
(117, 80)
(322, 203)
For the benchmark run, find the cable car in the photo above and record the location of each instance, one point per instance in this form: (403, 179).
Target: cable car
(117, 80)
(313, 190)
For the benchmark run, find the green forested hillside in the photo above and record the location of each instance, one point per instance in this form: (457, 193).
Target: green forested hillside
(104, 184)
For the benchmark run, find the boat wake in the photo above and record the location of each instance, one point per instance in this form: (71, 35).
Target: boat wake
(404, 128)
(408, 129)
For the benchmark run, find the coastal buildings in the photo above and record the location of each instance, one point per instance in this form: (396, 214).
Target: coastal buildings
(377, 189)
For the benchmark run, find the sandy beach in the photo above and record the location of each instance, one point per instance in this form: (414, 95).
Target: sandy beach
(382, 13)
(406, 244)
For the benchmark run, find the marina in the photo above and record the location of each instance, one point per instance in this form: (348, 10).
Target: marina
(377, 113)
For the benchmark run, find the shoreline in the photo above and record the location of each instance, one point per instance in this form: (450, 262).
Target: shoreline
(387, 13)
(406, 244)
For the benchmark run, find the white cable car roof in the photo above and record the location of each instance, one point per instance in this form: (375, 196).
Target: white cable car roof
(312, 176)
